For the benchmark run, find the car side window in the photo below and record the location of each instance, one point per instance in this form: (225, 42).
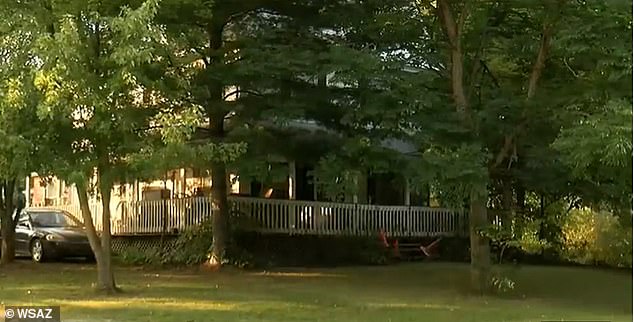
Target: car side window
(24, 220)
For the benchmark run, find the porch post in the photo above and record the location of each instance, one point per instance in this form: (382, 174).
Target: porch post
(407, 193)
(139, 190)
(132, 193)
(184, 182)
(355, 196)
(292, 193)
(60, 192)
(27, 192)
(315, 191)
(292, 182)
(408, 219)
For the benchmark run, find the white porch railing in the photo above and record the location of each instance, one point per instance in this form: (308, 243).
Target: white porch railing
(281, 216)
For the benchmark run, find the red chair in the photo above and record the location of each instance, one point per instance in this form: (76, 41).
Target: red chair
(386, 243)
(430, 249)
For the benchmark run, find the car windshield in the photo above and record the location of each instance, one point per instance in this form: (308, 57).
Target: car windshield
(54, 219)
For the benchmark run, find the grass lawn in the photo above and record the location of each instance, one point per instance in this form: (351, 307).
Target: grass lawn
(405, 292)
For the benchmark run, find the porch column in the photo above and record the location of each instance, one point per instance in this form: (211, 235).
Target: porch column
(60, 194)
(173, 185)
(315, 192)
(131, 196)
(139, 190)
(27, 192)
(408, 219)
(407, 193)
(184, 182)
(355, 182)
(292, 193)
(292, 183)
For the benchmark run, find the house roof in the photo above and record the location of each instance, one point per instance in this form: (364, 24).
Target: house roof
(395, 144)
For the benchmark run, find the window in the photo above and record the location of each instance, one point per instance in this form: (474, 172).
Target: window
(54, 219)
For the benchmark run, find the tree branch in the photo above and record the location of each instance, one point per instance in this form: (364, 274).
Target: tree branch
(474, 72)
(238, 91)
(488, 71)
(494, 18)
(462, 18)
(148, 128)
(457, 68)
(570, 68)
(536, 72)
(540, 61)
(203, 55)
(50, 27)
(506, 147)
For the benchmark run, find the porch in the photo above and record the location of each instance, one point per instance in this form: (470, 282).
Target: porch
(294, 217)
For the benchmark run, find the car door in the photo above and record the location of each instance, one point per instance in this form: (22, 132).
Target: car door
(22, 235)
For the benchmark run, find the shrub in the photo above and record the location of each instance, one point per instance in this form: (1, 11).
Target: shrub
(191, 247)
(522, 234)
(136, 256)
(596, 238)
(306, 250)
(502, 284)
(370, 251)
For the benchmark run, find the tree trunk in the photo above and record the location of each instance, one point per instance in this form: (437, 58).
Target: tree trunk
(480, 259)
(520, 192)
(478, 217)
(221, 214)
(105, 278)
(217, 112)
(7, 229)
(8, 242)
(480, 250)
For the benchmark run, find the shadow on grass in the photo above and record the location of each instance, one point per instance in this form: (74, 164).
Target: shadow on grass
(372, 293)
(600, 289)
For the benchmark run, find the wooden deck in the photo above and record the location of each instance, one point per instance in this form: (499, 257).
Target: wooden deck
(281, 216)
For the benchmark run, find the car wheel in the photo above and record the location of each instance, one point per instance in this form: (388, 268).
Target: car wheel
(37, 251)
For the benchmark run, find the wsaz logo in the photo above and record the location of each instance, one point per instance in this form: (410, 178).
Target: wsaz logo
(35, 313)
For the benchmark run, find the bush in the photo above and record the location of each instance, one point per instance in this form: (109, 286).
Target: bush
(191, 247)
(502, 284)
(303, 250)
(521, 234)
(596, 238)
(137, 256)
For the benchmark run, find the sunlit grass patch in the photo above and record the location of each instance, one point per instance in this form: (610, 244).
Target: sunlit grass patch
(411, 292)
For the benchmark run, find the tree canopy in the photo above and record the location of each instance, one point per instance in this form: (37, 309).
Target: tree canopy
(493, 99)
